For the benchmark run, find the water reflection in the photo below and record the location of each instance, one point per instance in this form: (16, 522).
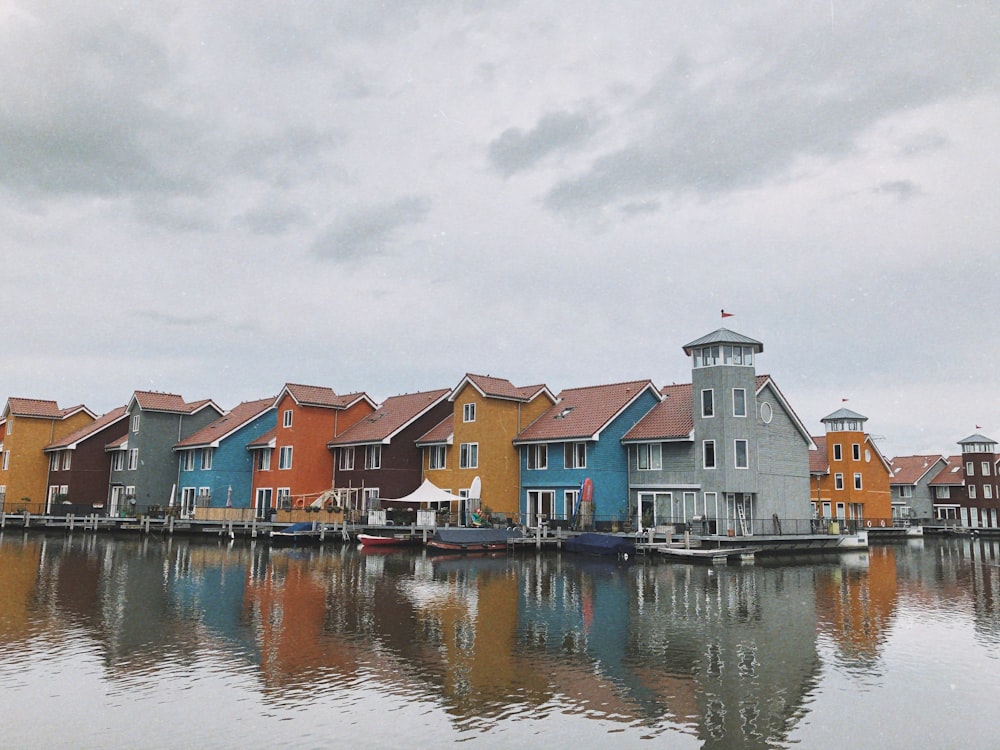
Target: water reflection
(709, 656)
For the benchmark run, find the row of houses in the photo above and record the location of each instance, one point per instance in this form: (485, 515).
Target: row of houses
(725, 451)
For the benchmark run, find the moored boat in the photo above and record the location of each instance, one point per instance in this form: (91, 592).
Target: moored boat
(471, 540)
(396, 540)
(605, 545)
(296, 533)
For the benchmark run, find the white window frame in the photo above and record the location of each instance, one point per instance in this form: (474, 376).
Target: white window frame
(984, 468)
(54, 462)
(970, 468)
(469, 412)
(838, 481)
(707, 403)
(207, 455)
(746, 453)
(373, 456)
(468, 456)
(856, 451)
(262, 501)
(705, 463)
(6, 459)
(437, 457)
(575, 455)
(285, 458)
(346, 460)
(858, 482)
(838, 452)
(538, 457)
(987, 492)
(264, 460)
(187, 461)
(649, 457)
(286, 418)
(737, 411)
(118, 461)
(972, 491)
(135, 423)
(133, 459)
(906, 491)
(67, 460)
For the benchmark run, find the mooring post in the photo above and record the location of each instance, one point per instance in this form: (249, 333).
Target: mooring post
(70, 518)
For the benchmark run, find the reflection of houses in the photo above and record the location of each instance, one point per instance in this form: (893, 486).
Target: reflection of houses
(292, 464)
(476, 440)
(28, 426)
(379, 454)
(850, 477)
(80, 467)
(143, 466)
(726, 450)
(580, 437)
(216, 470)
(19, 563)
(968, 489)
(912, 496)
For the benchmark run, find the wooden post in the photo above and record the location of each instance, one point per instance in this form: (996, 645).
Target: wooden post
(70, 518)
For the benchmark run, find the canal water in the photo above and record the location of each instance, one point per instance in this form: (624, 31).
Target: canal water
(171, 643)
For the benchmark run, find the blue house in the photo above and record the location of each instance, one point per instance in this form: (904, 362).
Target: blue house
(577, 439)
(215, 468)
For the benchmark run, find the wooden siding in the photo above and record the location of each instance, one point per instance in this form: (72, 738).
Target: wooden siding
(28, 467)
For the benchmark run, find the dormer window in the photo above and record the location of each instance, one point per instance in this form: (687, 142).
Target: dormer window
(564, 413)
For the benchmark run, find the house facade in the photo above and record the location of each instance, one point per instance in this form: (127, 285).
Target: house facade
(580, 438)
(292, 464)
(910, 485)
(29, 425)
(378, 455)
(850, 477)
(969, 489)
(477, 440)
(726, 452)
(215, 466)
(80, 467)
(143, 465)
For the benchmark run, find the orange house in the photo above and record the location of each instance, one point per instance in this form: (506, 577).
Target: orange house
(849, 476)
(28, 426)
(292, 465)
(477, 439)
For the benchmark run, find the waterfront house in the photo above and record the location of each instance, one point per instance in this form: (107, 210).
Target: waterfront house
(80, 467)
(967, 490)
(292, 464)
(29, 425)
(725, 453)
(378, 455)
(948, 489)
(579, 438)
(477, 440)
(850, 476)
(143, 465)
(215, 467)
(912, 495)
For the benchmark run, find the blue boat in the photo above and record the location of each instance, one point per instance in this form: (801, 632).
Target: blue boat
(296, 533)
(605, 545)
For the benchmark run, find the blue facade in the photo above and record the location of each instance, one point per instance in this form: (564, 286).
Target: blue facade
(230, 477)
(606, 467)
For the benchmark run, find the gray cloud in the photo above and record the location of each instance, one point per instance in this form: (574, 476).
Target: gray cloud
(371, 230)
(902, 189)
(517, 149)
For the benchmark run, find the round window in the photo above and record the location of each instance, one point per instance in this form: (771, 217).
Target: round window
(766, 412)
(868, 456)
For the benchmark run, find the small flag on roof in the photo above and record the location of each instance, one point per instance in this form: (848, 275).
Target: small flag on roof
(727, 315)
(844, 400)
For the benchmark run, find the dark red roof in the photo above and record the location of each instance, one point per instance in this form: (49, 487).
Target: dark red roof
(911, 469)
(36, 407)
(819, 462)
(167, 402)
(583, 412)
(500, 388)
(227, 424)
(105, 420)
(672, 418)
(442, 432)
(390, 416)
(952, 474)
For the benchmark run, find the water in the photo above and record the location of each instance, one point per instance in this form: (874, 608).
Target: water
(174, 643)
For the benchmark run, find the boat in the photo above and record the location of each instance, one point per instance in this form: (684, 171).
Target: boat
(471, 540)
(605, 545)
(396, 540)
(304, 532)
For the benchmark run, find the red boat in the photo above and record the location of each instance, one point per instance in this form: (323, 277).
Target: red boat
(397, 540)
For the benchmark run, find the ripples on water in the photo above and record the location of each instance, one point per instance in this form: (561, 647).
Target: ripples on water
(108, 642)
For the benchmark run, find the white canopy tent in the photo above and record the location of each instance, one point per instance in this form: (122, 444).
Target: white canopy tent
(426, 494)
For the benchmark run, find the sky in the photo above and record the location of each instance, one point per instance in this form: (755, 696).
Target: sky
(216, 199)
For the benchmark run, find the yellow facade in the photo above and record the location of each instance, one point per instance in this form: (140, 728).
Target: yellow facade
(496, 423)
(24, 470)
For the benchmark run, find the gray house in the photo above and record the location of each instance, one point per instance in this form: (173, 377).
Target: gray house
(144, 467)
(725, 452)
(912, 496)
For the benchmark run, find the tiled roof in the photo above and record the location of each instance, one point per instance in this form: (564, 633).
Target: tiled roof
(168, 402)
(723, 336)
(583, 412)
(390, 416)
(105, 420)
(442, 432)
(227, 424)
(672, 418)
(819, 461)
(313, 395)
(952, 474)
(911, 469)
(264, 440)
(119, 444)
(500, 388)
(36, 407)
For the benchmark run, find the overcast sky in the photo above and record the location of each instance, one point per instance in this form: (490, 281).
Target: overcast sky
(214, 199)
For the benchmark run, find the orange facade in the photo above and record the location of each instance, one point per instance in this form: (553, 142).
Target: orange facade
(856, 487)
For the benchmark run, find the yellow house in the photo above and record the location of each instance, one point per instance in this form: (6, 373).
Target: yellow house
(477, 439)
(28, 425)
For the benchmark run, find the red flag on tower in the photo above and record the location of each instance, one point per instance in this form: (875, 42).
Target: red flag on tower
(727, 315)
(979, 427)
(844, 400)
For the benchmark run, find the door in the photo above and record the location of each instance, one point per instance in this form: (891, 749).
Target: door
(540, 505)
(187, 502)
(115, 501)
(262, 503)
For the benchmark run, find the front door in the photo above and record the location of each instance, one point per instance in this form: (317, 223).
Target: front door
(187, 502)
(115, 501)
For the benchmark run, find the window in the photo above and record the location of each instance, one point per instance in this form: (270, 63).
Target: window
(708, 453)
(118, 461)
(285, 457)
(346, 459)
(650, 457)
(67, 460)
(135, 423)
(264, 460)
(972, 492)
(857, 481)
(206, 458)
(133, 459)
(436, 456)
(468, 456)
(970, 468)
(942, 493)
(187, 461)
(575, 456)
(906, 491)
(739, 402)
(286, 418)
(570, 498)
(766, 413)
(263, 501)
(838, 481)
(468, 412)
(856, 451)
(538, 456)
(985, 468)
(370, 493)
(130, 491)
(54, 462)
(707, 403)
(838, 452)
(373, 457)
(284, 497)
(988, 491)
(742, 459)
